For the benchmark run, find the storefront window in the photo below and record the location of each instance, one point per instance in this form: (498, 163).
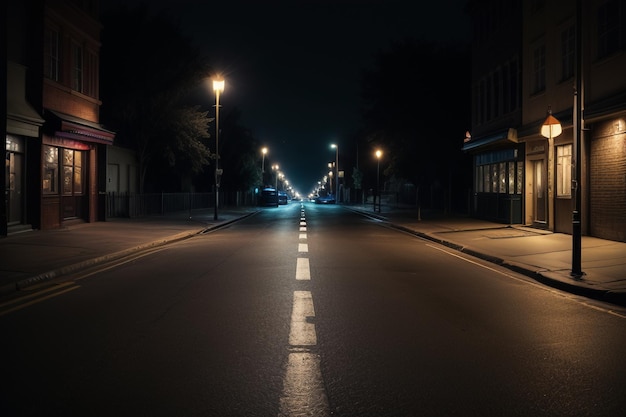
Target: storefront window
(564, 171)
(50, 170)
(502, 178)
(511, 177)
(72, 172)
(78, 172)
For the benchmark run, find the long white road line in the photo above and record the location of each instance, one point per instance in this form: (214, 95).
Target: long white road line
(303, 385)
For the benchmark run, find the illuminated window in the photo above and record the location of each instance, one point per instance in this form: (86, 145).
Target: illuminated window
(50, 170)
(502, 177)
(511, 177)
(72, 172)
(520, 177)
(564, 171)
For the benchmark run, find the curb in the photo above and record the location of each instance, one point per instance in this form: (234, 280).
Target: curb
(617, 298)
(50, 275)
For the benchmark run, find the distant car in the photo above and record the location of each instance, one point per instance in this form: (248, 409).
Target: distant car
(325, 199)
(268, 197)
(282, 198)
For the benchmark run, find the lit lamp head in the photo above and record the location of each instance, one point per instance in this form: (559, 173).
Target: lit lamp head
(379, 153)
(551, 128)
(218, 85)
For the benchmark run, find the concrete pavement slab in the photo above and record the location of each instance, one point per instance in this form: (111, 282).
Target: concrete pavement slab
(540, 254)
(31, 257)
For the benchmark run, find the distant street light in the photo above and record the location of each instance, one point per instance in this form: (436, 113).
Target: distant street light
(336, 171)
(379, 153)
(264, 152)
(330, 181)
(275, 168)
(218, 88)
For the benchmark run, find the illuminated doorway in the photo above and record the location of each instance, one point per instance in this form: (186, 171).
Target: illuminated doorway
(540, 195)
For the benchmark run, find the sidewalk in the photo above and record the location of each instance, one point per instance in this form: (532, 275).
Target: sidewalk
(35, 257)
(542, 255)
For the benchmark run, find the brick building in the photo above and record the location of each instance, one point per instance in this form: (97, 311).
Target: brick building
(549, 70)
(62, 178)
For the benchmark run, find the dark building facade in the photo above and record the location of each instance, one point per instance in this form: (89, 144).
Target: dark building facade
(558, 57)
(498, 168)
(55, 145)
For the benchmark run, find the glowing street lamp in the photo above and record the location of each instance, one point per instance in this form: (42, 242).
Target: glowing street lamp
(218, 88)
(379, 153)
(336, 147)
(275, 168)
(264, 152)
(550, 129)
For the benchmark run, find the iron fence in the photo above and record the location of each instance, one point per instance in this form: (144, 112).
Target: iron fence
(138, 205)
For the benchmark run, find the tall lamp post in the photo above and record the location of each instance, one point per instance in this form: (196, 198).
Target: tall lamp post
(264, 152)
(275, 168)
(218, 88)
(336, 147)
(579, 128)
(550, 129)
(379, 153)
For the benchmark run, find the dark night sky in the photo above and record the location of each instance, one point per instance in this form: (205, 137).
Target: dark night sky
(293, 67)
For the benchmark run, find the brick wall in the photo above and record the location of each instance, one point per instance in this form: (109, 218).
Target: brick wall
(607, 192)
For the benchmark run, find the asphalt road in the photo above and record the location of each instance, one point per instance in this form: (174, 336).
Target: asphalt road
(310, 310)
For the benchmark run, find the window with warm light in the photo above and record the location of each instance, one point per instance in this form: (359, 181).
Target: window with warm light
(564, 171)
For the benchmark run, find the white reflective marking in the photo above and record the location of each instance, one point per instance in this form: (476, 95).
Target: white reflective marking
(302, 332)
(303, 387)
(302, 235)
(303, 247)
(302, 218)
(303, 273)
(302, 229)
(302, 223)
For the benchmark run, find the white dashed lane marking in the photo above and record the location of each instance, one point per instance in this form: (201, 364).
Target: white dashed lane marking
(303, 386)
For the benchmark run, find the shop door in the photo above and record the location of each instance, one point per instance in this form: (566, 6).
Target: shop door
(540, 197)
(73, 195)
(14, 190)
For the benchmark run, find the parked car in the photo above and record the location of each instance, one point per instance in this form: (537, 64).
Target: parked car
(325, 199)
(282, 198)
(268, 197)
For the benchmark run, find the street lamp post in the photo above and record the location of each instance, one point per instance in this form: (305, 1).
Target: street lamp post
(336, 171)
(275, 167)
(218, 87)
(330, 180)
(379, 153)
(264, 152)
(550, 129)
(579, 127)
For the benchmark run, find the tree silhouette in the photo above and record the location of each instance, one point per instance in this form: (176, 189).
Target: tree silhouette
(417, 106)
(148, 69)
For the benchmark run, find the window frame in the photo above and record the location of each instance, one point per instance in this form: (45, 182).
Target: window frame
(564, 171)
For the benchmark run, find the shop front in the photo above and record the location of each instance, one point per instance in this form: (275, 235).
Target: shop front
(70, 169)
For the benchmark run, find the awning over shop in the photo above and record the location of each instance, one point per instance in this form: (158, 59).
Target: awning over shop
(22, 118)
(71, 127)
(502, 136)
